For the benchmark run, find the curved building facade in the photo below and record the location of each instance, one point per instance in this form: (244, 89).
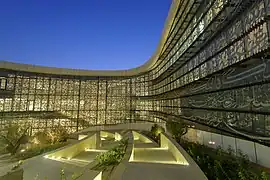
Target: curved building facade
(210, 67)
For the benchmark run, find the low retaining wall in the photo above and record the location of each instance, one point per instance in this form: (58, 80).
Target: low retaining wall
(173, 147)
(127, 126)
(141, 137)
(118, 136)
(74, 149)
(191, 168)
(106, 134)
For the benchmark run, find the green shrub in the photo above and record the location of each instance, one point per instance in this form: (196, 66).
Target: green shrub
(156, 130)
(41, 137)
(50, 136)
(177, 129)
(13, 137)
(58, 134)
(37, 150)
(114, 156)
(220, 164)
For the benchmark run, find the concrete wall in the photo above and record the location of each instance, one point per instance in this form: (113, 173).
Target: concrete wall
(74, 149)
(141, 137)
(128, 126)
(165, 142)
(117, 136)
(98, 177)
(82, 136)
(190, 167)
(106, 134)
(256, 152)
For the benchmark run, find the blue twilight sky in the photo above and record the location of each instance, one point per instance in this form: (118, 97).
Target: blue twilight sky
(84, 34)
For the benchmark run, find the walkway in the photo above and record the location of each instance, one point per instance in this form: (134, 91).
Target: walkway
(152, 153)
(150, 161)
(40, 167)
(144, 160)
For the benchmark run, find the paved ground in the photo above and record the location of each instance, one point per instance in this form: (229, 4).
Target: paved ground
(153, 163)
(6, 167)
(42, 167)
(86, 157)
(154, 171)
(83, 158)
(150, 163)
(51, 168)
(151, 153)
(108, 144)
(39, 168)
(6, 164)
(153, 156)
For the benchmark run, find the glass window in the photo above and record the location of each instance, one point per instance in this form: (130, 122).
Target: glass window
(31, 106)
(3, 83)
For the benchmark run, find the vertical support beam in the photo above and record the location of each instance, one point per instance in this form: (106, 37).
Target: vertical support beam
(78, 111)
(128, 107)
(48, 99)
(106, 94)
(130, 100)
(97, 101)
(14, 89)
(61, 92)
(35, 93)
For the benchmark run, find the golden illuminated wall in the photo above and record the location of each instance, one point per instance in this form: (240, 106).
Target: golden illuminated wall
(216, 71)
(213, 68)
(73, 102)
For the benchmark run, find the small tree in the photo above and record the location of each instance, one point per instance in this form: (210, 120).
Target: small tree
(59, 134)
(177, 129)
(50, 136)
(41, 137)
(13, 137)
(156, 130)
